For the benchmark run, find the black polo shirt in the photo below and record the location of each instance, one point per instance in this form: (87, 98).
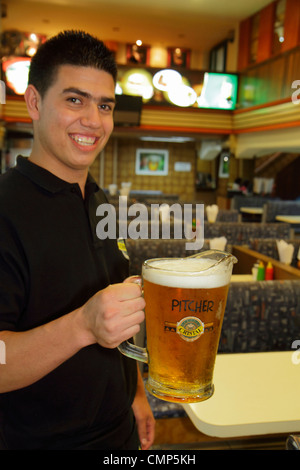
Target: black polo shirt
(52, 262)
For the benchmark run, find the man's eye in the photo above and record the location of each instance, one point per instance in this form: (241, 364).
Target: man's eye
(105, 107)
(74, 100)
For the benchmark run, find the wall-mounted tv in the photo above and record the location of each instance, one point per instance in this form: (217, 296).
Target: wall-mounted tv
(219, 91)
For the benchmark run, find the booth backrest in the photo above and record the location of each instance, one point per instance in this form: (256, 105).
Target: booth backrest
(236, 233)
(239, 201)
(261, 316)
(240, 233)
(268, 247)
(273, 208)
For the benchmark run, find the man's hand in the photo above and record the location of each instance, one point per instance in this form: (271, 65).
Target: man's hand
(114, 314)
(143, 415)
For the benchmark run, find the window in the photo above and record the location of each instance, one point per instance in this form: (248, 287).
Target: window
(217, 59)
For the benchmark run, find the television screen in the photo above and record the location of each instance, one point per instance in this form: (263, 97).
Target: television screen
(219, 91)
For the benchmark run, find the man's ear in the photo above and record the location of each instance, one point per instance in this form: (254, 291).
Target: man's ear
(33, 102)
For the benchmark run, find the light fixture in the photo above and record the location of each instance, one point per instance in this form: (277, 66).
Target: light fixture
(33, 37)
(139, 42)
(31, 50)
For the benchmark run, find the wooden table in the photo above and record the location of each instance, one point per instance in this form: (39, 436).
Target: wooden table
(255, 394)
(247, 257)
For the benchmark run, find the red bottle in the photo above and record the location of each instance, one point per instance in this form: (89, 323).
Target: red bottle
(269, 272)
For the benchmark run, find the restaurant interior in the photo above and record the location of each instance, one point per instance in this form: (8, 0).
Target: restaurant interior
(208, 101)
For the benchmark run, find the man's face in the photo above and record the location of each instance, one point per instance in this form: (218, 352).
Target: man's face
(75, 118)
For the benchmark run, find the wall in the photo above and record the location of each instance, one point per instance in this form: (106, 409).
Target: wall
(270, 81)
(287, 180)
(118, 165)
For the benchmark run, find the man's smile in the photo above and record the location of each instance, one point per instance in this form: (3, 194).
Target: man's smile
(84, 140)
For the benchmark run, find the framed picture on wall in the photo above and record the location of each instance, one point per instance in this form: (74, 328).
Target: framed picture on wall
(151, 162)
(137, 54)
(178, 57)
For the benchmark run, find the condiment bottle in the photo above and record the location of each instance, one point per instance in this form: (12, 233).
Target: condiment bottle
(261, 272)
(269, 272)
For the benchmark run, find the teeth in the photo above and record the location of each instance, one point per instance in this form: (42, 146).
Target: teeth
(84, 140)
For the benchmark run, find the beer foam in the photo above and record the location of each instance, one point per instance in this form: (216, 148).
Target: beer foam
(188, 273)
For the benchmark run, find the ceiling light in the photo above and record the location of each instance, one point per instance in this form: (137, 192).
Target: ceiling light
(139, 42)
(31, 51)
(33, 37)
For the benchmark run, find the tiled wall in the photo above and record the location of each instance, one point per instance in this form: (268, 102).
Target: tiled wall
(124, 152)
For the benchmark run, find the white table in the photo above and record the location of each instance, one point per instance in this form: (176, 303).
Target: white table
(255, 394)
(289, 219)
(241, 278)
(252, 210)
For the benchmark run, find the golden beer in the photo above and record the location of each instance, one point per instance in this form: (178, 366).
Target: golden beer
(185, 303)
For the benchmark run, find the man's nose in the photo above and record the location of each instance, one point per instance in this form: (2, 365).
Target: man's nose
(92, 116)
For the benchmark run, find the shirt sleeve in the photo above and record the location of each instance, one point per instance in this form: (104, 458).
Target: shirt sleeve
(13, 277)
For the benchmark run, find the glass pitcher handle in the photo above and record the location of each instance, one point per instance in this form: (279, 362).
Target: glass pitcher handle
(133, 351)
(129, 349)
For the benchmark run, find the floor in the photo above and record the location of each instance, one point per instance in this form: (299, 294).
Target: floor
(181, 434)
(278, 443)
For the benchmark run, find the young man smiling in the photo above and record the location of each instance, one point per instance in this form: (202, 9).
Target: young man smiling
(65, 304)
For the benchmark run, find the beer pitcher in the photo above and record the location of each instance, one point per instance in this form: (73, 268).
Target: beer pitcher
(185, 303)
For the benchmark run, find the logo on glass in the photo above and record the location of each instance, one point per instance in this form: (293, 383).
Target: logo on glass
(190, 328)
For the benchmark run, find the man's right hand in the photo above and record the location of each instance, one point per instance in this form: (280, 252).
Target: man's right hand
(114, 314)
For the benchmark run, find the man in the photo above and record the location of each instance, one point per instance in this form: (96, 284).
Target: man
(64, 305)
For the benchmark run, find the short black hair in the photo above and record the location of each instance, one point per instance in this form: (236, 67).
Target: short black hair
(69, 48)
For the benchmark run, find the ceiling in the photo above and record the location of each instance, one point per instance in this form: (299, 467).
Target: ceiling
(193, 24)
